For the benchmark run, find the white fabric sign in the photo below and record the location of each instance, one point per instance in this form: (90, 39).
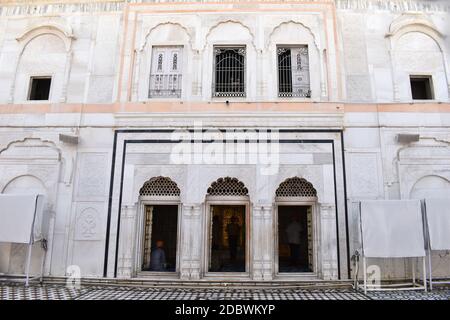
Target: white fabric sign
(20, 218)
(438, 220)
(392, 228)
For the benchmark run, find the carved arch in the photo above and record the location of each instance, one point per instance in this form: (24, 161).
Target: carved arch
(277, 27)
(147, 35)
(252, 35)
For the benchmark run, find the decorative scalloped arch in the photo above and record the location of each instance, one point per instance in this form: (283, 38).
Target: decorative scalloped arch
(144, 43)
(46, 143)
(229, 21)
(269, 41)
(160, 186)
(296, 187)
(227, 186)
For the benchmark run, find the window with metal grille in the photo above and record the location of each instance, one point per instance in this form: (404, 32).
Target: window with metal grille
(160, 186)
(166, 74)
(293, 72)
(296, 187)
(227, 187)
(229, 72)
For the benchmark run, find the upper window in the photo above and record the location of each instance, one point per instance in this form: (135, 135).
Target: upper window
(166, 74)
(229, 72)
(39, 88)
(293, 72)
(421, 87)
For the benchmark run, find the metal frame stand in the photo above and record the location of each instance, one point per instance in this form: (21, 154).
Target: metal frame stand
(397, 286)
(430, 272)
(28, 262)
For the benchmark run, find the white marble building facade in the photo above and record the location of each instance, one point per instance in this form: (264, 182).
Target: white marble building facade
(342, 137)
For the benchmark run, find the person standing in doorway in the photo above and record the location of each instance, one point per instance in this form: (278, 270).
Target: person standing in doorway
(158, 257)
(234, 233)
(293, 232)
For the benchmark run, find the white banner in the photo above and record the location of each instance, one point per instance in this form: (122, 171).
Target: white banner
(392, 228)
(438, 220)
(21, 218)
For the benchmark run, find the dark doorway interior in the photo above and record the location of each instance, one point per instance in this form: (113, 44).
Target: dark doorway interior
(160, 243)
(294, 239)
(227, 238)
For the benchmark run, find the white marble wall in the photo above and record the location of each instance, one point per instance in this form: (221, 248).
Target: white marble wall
(364, 56)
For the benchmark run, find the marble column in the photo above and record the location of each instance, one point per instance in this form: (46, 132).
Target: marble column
(191, 239)
(256, 238)
(262, 239)
(269, 240)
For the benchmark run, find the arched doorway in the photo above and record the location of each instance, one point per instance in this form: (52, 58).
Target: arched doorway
(295, 230)
(159, 226)
(227, 216)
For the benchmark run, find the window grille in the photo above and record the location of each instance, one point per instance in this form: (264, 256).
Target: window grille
(293, 72)
(296, 187)
(160, 186)
(227, 187)
(165, 76)
(229, 72)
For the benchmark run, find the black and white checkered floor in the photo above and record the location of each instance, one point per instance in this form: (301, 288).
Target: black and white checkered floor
(10, 291)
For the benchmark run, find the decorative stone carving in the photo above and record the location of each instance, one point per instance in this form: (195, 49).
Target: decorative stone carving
(87, 225)
(92, 175)
(363, 175)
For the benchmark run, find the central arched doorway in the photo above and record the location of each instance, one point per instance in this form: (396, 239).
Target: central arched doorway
(296, 228)
(227, 216)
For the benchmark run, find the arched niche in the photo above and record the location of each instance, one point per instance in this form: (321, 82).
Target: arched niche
(417, 48)
(431, 186)
(160, 187)
(45, 51)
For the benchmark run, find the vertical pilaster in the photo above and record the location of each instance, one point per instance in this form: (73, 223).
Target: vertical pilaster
(191, 239)
(269, 237)
(257, 245)
(125, 263)
(328, 242)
